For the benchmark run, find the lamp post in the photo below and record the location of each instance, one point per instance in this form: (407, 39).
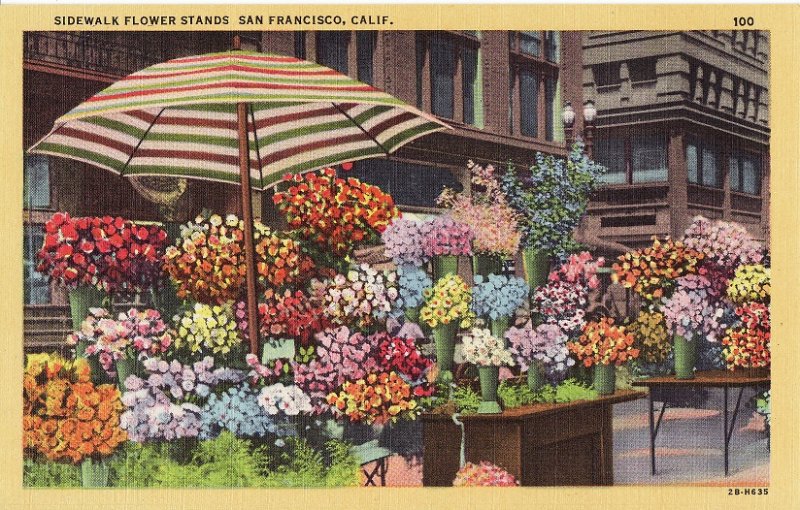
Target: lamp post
(568, 116)
(589, 115)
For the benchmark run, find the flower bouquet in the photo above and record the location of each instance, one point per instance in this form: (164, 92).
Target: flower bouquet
(119, 344)
(377, 398)
(651, 335)
(66, 417)
(747, 345)
(401, 355)
(206, 329)
(496, 298)
(542, 351)
(334, 213)
(446, 308)
(489, 353)
(350, 352)
(404, 244)
(239, 411)
(651, 272)
(562, 303)
(726, 245)
(604, 344)
(484, 474)
(285, 400)
(444, 240)
(207, 263)
(411, 284)
(750, 283)
(318, 378)
(360, 298)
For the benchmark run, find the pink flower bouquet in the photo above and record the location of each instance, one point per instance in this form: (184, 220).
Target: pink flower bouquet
(484, 474)
(445, 236)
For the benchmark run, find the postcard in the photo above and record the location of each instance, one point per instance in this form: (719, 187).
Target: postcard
(371, 256)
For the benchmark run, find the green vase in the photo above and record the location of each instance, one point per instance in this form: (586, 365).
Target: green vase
(537, 267)
(490, 378)
(94, 473)
(485, 264)
(444, 335)
(125, 367)
(80, 300)
(444, 265)
(685, 352)
(536, 376)
(605, 379)
(499, 326)
(412, 314)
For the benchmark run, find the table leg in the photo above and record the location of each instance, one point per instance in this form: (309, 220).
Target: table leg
(727, 429)
(654, 427)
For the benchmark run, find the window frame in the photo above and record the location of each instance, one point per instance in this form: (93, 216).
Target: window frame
(627, 139)
(29, 265)
(26, 188)
(545, 70)
(701, 145)
(740, 156)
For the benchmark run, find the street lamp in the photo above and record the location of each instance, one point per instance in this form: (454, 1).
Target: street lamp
(568, 116)
(589, 115)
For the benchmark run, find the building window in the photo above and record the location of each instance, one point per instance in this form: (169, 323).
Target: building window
(300, 45)
(410, 184)
(469, 79)
(530, 43)
(703, 163)
(606, 75)
(610, 152)
(454, 70)
(36, 189)
(745, 173)
(443, 68)
(365, 49)
(649, 158)
(642, 69)
(552, 45)
(550, 89)
(36, 288)
(528, 103)
(332, 49)
(534, 86)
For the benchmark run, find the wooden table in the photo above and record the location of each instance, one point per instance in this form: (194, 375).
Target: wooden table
(540, 444)
(706, 379)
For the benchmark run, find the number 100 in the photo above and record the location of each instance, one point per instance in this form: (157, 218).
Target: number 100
(743, 22)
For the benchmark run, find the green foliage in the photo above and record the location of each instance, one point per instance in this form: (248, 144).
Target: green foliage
(466, 399)
(228, 461)
(515, 395)
(50, 474)
(763, 406)
(568, 391)
(304, 354)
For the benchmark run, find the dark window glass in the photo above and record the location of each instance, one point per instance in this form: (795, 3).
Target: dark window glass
(528, 102)
(530, 43)
(649, 158)
(693, 162)
(642, 69)
(420, 42)
(365, 48)
(552, 46)
(300, 45)
(443, 63)
(745, 173)
(703, 164)
(36, 190)
(408, 183)
(549, 98)
(607, 74)
(332, 50)
(610, 152)
(35, 286)
(512, 91)
(711, 167)
(469, 73)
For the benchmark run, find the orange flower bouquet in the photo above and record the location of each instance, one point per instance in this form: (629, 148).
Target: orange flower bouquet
(604, 345)
(651, 271)
(377, 398)
(67, 418)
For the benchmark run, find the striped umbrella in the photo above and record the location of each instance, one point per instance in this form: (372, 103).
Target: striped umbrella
(239, 117)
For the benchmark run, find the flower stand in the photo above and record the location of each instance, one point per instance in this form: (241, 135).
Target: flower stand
(80, 300)
(536, 378)
(499, 326)
(489, 378)
(605, 379)
(685, 351)
(537, 267)
(444, 265)
(485, 265)
(94, 473)
(444, 335)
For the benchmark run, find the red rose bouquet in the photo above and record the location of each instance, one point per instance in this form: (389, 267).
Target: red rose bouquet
(335, 213)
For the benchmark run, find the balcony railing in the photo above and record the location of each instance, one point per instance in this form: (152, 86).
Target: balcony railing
(94, 52)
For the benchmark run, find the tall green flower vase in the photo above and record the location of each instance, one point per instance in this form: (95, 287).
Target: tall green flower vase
(444, 335)
(685, 351)
(485, 264)
(499, 326)
(80, 300)
(490, 379)
(605, 379)
(536, 376)
(94, 473)
(444, 265)
(537, 266)
(125, 367)
(412, 314)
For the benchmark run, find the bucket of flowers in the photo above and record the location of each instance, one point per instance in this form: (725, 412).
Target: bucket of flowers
(604, 345)
(488, 353)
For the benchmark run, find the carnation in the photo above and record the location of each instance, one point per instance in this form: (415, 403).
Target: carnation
(360, 297)
(481, 348)
(350, 352)
(377, 398)
(445, 236)
(694, 309)
(604, 342)
(747, 344)
(725, 244)
(547, 343)
(403, 240)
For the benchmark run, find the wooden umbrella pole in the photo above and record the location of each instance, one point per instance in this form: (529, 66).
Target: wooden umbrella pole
(247, 218)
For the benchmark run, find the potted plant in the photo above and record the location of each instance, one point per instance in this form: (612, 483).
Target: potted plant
(446, 309)
(67, 418)
(496, 298)
(443, 241)
(604, 345)
(542, 351)
(488, 353)
(550, 200)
